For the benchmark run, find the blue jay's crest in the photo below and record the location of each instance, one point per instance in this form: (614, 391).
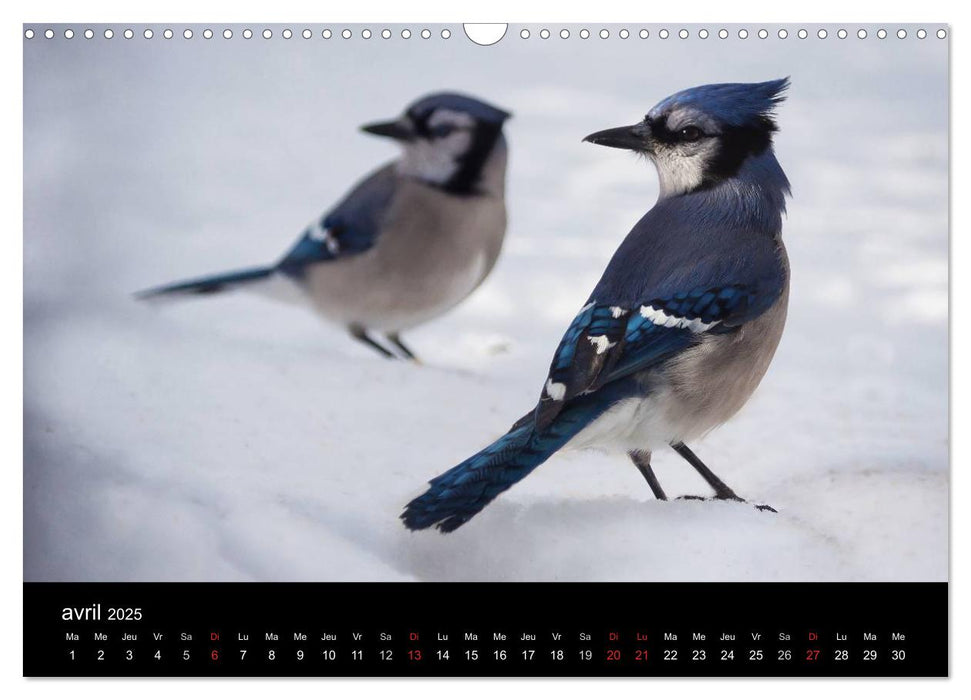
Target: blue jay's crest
(477, 109)
(733, 104)
(705, 135)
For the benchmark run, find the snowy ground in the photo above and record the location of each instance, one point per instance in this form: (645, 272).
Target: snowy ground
(233, 438)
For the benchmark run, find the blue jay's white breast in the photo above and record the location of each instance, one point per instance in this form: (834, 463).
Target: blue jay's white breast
(693, 393)
(434, 249)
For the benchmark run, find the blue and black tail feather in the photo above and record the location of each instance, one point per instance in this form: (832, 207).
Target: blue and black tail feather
(210, 284)
(454, 497)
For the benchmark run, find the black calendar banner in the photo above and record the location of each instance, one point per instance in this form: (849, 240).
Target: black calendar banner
(470, 629)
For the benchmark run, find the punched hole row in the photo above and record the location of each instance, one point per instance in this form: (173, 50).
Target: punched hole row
(227, 33)
(725, 33)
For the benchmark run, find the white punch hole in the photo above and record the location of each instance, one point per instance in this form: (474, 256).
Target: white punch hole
(485, 34)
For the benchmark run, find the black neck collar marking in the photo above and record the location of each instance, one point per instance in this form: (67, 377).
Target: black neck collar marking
(736, 144)
(466, 179)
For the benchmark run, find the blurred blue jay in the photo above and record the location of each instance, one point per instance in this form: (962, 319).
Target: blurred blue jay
(685, 320)
(410, 241)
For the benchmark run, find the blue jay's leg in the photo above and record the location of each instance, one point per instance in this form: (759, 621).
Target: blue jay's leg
(395, 340)
(359, 333)
(722, 492)
(642, 460)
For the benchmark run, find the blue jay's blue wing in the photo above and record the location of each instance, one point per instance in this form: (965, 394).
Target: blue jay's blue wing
(606, 343)
(663, 327)
(351, 228)
(681, 272)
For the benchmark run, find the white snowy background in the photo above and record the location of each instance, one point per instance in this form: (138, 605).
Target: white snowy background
(232, 438)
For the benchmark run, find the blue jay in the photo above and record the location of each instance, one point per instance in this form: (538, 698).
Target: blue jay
(685, 320)
(410, 241)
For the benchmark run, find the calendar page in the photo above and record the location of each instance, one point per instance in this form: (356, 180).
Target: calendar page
(486, 350)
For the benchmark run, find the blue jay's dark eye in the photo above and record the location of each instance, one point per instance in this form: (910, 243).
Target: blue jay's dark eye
(441, 130)
(690, 133)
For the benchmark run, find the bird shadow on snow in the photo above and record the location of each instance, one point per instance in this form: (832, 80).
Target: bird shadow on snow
(614, 538)
(618, 538)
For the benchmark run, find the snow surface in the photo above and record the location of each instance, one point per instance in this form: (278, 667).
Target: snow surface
(233, 438)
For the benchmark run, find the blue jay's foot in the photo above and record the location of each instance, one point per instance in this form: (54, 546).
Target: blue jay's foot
(395, 340)
(758, 506)
(358, 333)
(711, 498)
(642, 460)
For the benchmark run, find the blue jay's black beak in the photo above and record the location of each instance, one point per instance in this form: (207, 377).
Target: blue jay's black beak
(632, 138)
(396, 130)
